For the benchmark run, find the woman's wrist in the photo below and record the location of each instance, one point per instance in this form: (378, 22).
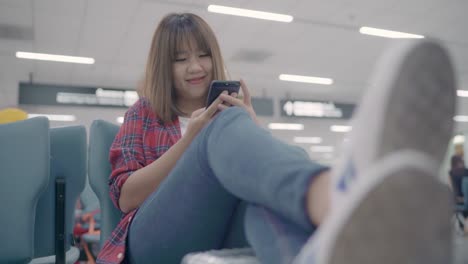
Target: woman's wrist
(187, 138)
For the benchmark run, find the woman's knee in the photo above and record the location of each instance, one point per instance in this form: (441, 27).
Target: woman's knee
(229, 114)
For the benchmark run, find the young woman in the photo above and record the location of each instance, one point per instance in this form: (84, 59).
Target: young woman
(175, 162)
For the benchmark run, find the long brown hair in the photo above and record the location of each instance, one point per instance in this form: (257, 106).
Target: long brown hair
(173, 32)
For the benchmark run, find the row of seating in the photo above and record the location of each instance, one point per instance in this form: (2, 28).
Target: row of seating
(44, 171)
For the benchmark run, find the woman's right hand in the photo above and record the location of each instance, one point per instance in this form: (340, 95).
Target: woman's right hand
(201, 117)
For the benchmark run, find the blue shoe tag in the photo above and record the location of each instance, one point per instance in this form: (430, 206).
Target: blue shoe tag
(347, 177)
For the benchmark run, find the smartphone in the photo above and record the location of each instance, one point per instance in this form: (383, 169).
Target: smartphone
(217, 87)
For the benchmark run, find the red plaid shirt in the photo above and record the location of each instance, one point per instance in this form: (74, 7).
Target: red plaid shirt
(142, 138)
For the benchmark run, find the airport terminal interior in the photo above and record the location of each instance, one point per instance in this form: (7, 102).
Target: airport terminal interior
(71, 70)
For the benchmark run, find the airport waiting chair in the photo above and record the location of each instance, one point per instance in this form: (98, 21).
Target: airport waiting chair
(25, 167)
(88, 199)
(55, 215)
(102, 134)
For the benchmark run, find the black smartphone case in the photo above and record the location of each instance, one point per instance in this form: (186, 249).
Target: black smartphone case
(217, 87)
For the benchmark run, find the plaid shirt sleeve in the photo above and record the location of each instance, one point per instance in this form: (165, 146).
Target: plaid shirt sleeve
(127, 155)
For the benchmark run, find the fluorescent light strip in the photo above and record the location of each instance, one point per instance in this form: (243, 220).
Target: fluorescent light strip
(285, 126)
(120, 119)
(249, 13)
(308, 140)
(61, 118)
(53, 57)
(387, 33)
(460, 118)
(462, 93)
(305, 79)
(322, 149)
(340, 129)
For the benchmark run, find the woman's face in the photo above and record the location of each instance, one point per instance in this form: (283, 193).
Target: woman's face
(192, 74)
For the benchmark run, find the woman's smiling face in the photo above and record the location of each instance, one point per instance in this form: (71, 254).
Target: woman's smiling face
(192, 73)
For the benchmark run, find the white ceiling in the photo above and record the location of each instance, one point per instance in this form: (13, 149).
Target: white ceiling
(323, 40)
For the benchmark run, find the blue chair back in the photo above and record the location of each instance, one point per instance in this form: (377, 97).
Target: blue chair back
(67, 161)
(101, 136)
(88, 198)
(24, 163)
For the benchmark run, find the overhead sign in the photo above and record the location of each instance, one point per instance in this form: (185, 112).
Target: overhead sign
(316, 109)
(100, 97)
(45, 94)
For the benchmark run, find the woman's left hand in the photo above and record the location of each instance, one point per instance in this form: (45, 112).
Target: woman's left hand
(245, 102)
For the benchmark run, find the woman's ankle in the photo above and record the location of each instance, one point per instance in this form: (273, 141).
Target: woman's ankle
(318, 197)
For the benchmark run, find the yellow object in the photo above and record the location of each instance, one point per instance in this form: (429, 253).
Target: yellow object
(9, 115)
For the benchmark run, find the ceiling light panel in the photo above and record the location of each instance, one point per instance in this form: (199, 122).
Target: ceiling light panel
(305, 79)
(226, 10)
(54, 57)
(378, 32)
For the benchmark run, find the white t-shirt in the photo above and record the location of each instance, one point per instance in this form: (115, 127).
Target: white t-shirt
(183, 121)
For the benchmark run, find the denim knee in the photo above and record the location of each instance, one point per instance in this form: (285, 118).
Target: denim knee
(224, 119)
(230, 113)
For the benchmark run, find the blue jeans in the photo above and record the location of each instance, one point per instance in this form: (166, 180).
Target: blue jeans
(231, 159)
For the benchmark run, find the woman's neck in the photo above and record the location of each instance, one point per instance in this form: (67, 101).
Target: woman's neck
(188, 106)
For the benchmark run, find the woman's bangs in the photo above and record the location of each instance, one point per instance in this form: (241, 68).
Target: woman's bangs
(188, 38)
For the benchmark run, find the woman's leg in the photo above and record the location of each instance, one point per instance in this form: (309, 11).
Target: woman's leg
(189, 212)
(258, 168)
(232, 157)
(274, 239)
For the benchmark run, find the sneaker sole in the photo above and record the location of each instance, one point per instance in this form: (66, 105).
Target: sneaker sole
(402, 215)
(410, 106)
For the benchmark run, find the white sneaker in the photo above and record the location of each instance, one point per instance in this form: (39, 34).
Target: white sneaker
(402, 214)
(410, 105)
